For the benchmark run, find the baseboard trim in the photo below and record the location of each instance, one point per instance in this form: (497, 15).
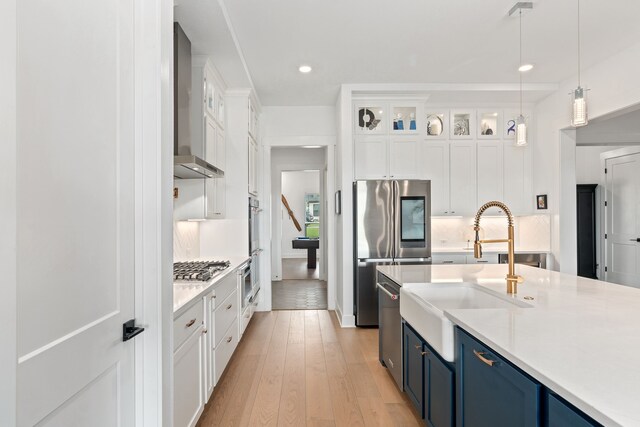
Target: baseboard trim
(345, 321)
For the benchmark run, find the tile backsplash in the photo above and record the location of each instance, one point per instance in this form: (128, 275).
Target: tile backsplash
(531, 232)
(186, 240)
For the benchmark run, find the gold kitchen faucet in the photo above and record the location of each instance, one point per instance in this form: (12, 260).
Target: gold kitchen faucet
(512, 278)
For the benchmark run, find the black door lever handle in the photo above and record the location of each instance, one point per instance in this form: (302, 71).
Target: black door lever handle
(130, 330)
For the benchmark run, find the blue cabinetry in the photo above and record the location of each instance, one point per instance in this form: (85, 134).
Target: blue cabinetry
(428, 381)
(438, 391)
(490, 392)
(413, 368)
(561, 414)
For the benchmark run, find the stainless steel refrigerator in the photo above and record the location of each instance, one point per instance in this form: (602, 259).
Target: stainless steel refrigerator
(392, 224)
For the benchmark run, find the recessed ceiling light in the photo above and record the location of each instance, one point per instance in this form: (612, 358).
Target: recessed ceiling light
(305, 69)
(525, 67)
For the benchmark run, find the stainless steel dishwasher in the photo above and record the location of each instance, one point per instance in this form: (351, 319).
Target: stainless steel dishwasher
(390, 326)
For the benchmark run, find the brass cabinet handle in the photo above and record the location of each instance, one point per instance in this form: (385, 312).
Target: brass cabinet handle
(229, 306)
(190, 323)
(418, 346)
(480, 355)
(424, 353)
(229, 339)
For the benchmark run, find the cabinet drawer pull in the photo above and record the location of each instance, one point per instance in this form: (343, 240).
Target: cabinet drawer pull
(229, 339)
(480, 355)
(205, 330)
(424, 353)
(229, 306)
(190, 323)
(418, 346)
(481, 261)
(447, 262)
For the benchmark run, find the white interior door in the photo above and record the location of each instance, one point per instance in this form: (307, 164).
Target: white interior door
(623, 220)
(75, 210)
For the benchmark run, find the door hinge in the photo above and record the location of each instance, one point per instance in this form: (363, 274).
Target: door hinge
(605, 203)
(130, 330)
(605, 268)
(605, 235)
(605, 170)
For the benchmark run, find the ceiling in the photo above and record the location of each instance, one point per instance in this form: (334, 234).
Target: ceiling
(400, 41)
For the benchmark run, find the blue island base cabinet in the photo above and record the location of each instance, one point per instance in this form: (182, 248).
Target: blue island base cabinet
(562, 414)
(490, 392)
(428, 380)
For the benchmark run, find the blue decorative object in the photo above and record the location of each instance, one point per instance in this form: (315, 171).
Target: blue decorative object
(412, 124)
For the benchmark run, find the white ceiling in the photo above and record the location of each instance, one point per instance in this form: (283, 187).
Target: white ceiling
(403, 41)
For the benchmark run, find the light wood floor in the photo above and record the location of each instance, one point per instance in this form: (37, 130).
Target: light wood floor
(300, 368)
(296, 269)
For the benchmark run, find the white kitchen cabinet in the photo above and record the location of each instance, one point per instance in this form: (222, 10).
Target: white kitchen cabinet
(490, 173)
(188, 383)
(485, 259)
(435, 167)
(404, 158)
(371, 157)
(463, 178)
(253, 167)
(444, 258)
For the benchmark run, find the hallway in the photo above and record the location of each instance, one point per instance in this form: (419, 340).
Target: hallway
(300, 288)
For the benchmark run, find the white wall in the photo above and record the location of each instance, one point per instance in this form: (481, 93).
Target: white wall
(613, 86)
(588, 166)
(295, 185)
(303, 124)
(8, 320)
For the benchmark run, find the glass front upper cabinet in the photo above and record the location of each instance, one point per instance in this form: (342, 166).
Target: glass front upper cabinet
(370, 118)
(462, 124)
(489, 124)
(437, 124)
(404, 119)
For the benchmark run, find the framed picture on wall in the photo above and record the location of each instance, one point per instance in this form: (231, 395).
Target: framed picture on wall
(338, 202)
(541, 201)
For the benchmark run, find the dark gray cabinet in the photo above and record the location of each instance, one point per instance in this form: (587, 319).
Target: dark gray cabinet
(428, 381)
(490, 391)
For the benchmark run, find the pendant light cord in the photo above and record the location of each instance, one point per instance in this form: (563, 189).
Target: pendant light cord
(520, 72)
(578, 43)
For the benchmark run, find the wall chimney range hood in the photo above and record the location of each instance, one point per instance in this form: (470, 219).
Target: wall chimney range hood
(188, 160)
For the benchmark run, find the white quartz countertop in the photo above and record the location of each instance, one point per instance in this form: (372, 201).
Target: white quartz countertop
(485, 249)
(183, 294)
(581, 339)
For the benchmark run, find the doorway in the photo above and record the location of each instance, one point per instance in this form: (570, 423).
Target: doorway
(302, 285)
(604, 157)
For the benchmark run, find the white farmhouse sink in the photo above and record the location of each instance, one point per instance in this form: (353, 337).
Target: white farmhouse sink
(423, 306)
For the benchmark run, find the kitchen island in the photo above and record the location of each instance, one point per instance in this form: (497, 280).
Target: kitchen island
(579, 338)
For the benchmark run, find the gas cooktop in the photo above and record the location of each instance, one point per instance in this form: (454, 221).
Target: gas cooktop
(198, 271)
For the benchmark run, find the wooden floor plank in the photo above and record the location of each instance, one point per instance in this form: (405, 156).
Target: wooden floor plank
(292, 410)
(297, 368)
(318, 394)
(374, 412)
(296, 330)
(267, 402)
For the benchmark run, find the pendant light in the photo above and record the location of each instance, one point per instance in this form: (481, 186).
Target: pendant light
(579, 96)
(521, 123)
